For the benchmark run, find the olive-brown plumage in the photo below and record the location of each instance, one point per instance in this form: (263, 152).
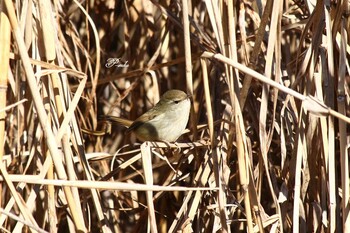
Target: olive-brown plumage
(166, 121)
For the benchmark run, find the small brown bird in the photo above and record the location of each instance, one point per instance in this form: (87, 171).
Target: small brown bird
(166, 121)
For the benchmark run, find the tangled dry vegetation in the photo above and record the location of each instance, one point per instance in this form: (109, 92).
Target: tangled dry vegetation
(267, 146)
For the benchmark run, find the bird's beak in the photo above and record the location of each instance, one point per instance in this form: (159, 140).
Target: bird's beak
(190, 97)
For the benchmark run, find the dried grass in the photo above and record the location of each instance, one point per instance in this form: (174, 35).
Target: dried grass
(268, 143)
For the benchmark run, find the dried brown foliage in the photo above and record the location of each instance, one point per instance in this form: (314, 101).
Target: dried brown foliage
(267, 148)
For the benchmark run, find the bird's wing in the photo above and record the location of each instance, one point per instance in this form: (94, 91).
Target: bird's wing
(147, 116)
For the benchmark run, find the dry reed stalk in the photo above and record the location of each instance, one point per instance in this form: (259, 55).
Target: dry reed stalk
(147, 167)
(5, 41)
(256, 51)
(5, 35)
(344, 154)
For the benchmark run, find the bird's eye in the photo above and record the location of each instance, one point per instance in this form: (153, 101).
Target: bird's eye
(176, 101)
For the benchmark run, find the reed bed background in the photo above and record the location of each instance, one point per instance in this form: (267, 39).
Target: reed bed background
(267, 145)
